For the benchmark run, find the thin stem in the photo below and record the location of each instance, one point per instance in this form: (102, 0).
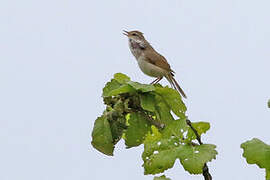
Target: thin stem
(195, 131)
(206, 174)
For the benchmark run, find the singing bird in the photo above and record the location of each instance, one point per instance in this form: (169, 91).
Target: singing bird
(150, 61)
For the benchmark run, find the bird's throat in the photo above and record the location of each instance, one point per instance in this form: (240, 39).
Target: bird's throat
(137, 47)
(137, 44)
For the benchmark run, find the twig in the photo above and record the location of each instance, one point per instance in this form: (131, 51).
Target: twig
(195, 131)
(206, 174)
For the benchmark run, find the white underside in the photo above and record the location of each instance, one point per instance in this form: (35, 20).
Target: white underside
(150, 69)
(146, 67)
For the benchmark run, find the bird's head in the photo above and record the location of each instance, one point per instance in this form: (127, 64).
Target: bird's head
(134, 35)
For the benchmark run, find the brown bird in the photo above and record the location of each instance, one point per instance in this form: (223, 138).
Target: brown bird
(150, 61)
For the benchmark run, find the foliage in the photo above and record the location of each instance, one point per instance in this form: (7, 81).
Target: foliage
(269, 103)
(144, 114)
(161, 178)
(257, 152)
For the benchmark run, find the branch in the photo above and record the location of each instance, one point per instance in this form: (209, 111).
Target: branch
(206, 174)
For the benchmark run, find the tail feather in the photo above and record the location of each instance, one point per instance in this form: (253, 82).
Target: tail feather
(176, 86)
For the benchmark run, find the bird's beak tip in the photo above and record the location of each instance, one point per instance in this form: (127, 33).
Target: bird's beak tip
(125, 32)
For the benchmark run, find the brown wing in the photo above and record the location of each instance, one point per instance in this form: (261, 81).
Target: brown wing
(155, 58)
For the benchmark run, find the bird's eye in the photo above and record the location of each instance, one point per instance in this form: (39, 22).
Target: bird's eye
(134, 34)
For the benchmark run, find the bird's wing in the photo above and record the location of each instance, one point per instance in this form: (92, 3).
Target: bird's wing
(158, 60)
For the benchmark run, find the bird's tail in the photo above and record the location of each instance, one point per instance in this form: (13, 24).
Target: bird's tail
(176, 86)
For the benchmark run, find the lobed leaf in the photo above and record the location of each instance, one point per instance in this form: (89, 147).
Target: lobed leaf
(160, 162)
(162, 149)
(201, 127)
(158, 155)
(193, 158)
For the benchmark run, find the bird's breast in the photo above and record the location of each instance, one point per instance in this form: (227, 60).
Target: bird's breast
(150, 69)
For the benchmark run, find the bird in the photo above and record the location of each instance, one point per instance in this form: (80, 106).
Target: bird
(150, 61)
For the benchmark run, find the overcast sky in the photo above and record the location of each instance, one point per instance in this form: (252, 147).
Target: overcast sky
(57, 55)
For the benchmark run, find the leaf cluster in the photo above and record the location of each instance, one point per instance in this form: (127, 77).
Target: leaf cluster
(154, 116)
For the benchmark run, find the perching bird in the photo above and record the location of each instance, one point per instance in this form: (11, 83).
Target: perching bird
(150, 61)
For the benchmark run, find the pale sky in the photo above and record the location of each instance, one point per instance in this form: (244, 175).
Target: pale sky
(57, 55)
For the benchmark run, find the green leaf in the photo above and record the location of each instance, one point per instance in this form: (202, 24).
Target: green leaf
(141, 87)
(148, 101)
(163, 177)
(102, 136)
(138, 127)
(117, 86)
(201, 127)
(163, 111)
(257, 152)
(110, 86)
(269, 103)
(159, 153)
(121, 78)
(154, 136)
(267, 172)
(176, 128)
(160, 162)
(162, 149)
(173, 99)
(120, 90)
(193, 158)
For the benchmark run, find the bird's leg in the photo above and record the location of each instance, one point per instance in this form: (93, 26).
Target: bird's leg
(156, 80)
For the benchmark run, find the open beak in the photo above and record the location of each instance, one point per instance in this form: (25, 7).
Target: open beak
(125, 32)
